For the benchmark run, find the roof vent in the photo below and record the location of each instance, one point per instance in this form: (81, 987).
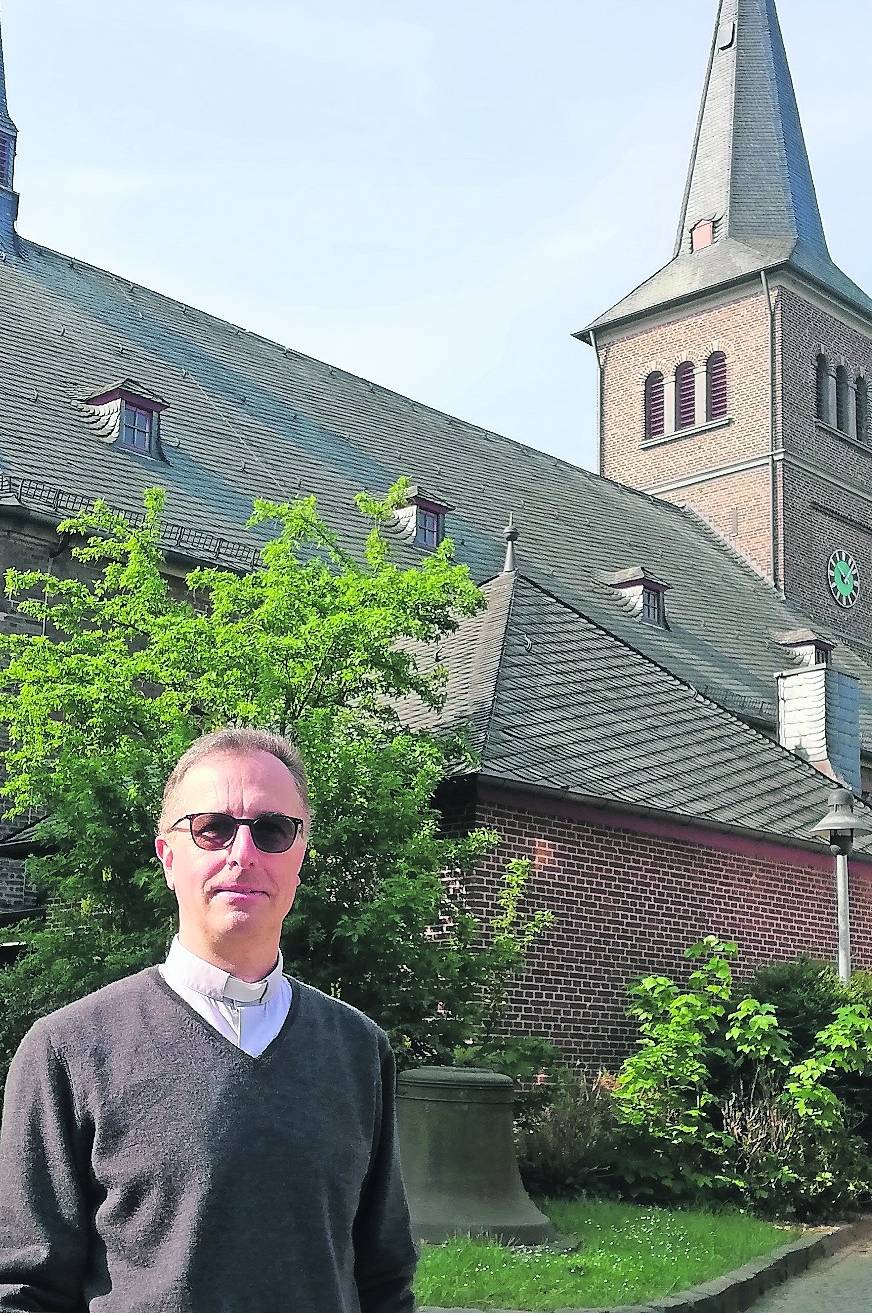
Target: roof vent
(644, 595)
(807, 646)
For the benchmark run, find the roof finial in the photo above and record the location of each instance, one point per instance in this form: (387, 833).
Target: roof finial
(511, 536)
(8, 139)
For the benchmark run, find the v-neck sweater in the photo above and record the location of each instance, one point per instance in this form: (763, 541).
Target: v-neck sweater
(148, 1165)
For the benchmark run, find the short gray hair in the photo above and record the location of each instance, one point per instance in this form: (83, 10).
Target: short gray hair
(233, 741)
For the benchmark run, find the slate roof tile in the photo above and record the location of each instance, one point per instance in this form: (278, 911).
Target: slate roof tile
(305, 427)
(618, 727)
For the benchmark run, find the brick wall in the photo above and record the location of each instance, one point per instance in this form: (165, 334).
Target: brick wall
(820, 508)
(739, 328)
(628, 897)
(821, 516)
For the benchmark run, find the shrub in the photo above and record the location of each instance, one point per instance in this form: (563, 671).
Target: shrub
(570, 1150)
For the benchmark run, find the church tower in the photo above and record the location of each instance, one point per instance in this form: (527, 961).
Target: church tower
(8, 143)
(737, 379)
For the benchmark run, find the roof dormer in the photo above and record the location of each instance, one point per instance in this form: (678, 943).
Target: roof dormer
(126, 415)
(807, 647)
(642, 593)
(422, 520)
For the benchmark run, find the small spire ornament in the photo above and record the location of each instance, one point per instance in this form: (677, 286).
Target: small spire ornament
(511, 536)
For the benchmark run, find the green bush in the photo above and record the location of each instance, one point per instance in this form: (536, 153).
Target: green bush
(807, 995)
(569, 1152)
(721, 1103)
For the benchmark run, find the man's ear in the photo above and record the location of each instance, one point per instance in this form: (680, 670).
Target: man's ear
(164, 851)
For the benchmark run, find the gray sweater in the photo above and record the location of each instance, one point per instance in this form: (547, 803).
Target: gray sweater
(147, 1165)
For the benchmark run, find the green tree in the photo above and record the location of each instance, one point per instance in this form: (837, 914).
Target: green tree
(126, 673)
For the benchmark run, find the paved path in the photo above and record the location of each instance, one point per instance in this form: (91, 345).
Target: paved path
(841, 1284)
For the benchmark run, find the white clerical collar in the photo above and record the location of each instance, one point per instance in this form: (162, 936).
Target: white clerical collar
(183, 967)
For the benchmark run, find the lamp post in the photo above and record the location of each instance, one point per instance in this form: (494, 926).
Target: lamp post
(842, 825)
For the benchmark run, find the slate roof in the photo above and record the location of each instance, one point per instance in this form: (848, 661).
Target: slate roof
(556, 701)
(749, 171)
(250, 418)
(5, 121)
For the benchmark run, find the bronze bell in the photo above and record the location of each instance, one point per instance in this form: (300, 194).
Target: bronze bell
(458, 1154)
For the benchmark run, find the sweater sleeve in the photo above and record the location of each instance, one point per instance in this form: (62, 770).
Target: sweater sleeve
(385, 1253)
(44, 1217)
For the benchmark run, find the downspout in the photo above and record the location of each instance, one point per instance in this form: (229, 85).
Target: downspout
(773, 438)
(599, 401)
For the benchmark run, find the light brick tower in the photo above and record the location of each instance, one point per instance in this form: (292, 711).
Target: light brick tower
(736, 380)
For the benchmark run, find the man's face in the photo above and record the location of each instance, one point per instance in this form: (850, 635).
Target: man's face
(234, 897)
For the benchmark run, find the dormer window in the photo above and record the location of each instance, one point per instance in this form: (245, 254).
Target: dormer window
(652, 606)
(422, 520)
(645, 596)
(429, 527)
(127, 415)
(136, 427)
(807, 647)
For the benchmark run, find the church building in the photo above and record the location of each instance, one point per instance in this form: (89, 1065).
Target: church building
(674, 666)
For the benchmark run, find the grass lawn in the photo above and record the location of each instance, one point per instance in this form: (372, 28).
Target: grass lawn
(629, 1254)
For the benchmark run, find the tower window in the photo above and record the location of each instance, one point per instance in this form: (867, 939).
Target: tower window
(702, 235)
(5, 162)
(842, 399)
(716, 386)
(685, 396)
(862, 410)
(822, 375)
(655, 410)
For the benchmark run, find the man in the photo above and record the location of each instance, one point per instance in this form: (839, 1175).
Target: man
(209, 1136)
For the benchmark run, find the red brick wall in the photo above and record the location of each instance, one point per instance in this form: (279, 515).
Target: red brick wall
(629, 897)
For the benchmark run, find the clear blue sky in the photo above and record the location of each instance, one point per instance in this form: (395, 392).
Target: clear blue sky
(432, 195)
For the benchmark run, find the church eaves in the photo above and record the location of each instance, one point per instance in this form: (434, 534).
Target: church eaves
(749, 176)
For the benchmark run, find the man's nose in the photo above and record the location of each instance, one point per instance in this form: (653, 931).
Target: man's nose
(243, 850)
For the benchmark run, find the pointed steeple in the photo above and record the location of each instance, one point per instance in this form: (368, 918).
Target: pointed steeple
(8, 142)
(6, 124)
(749, 203)
(749, 170)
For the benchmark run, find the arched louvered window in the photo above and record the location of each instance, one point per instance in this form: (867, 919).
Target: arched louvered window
(716, 386)
(655, 413)
(5, 162)
(862, 410)
(842, 399)
(685, 395)
(822, 373)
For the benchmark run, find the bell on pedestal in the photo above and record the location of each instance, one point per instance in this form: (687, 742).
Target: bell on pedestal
(458, 1154)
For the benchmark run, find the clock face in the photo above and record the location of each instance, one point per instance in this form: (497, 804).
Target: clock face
(844, 578)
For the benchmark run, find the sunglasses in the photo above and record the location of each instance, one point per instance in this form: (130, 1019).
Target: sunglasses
(272, 833)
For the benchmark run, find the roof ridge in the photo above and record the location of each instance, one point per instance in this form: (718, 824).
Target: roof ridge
(485, 738)
(677, 679)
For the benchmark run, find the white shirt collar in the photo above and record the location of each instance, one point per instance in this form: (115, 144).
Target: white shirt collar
(185, 968)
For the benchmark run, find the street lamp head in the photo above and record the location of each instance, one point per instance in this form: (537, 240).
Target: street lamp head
(841, 822)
